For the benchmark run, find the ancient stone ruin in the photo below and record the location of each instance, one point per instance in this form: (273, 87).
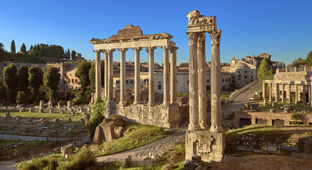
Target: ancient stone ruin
(200, 140)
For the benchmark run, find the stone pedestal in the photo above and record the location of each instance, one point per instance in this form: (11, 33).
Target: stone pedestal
(209, 145)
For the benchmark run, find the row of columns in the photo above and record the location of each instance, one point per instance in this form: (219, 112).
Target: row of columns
(197, 84)
(108, 75)
(288, 92)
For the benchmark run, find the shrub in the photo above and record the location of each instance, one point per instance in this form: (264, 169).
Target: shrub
(295, 116)
(84, 159)
(96, 116)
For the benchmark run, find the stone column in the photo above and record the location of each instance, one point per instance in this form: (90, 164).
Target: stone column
(283, 89)
(310, 95)
(202, 92)
(263, 91)
(137, 84)
(277, 92)
(303, 94)
(106, 73)
(110, 75)
(97, 74)
(270, 93)
(193, 100)
(289, 93)
(122, 76)
(173, 75)
(151, 84)
(215, 82)
(296, 95)
(166, 76)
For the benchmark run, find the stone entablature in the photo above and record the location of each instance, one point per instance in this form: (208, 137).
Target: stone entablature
(158, 115)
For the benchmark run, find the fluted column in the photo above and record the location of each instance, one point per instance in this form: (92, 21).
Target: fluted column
(277, 92)
(283, 89)
(137, 84)
(173, 75)
(122, 76)
(215, 82)
(166, 76)
(97, 74)
(289, 92)
(193, 100)
(263, 91)
(106, 73)
(303, 94)
(202, 96)
(296, 95)
(151, 84)
(110, 75)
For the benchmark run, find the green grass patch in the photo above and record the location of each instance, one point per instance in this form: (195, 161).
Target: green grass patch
(136, 135)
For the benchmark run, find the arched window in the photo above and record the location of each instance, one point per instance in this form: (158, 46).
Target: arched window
(146, 81)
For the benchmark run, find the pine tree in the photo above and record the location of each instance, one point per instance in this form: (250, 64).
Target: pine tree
(13, 51)
(309, 58)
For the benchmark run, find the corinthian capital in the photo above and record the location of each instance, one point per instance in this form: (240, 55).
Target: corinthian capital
(215, 37)
(192, 38)
(201, 40)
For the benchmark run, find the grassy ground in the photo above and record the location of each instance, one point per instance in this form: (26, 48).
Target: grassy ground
(14, 128)
(135, 135)
(26, 146)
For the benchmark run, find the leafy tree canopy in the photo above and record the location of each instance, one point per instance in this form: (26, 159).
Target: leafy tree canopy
(309, 58)
(263, 70)
(83, 73)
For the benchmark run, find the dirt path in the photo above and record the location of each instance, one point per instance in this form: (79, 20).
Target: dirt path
(156, 147)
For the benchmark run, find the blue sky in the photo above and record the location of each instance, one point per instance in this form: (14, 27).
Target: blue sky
(282, 28)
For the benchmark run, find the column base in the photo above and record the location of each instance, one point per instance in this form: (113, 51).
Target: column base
(165, 104)
(122, 103)
(216, 129)
(210, 146)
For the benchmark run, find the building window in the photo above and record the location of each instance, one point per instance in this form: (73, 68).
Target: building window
(222, 80)
(251, 77)
(117, 81)
(131, 81)
(127, 82)
(245, 71)
(72, 80)
(146, 81)
(238, 71)
(187, 81)
(208, 81)
(159, 86)
(251, 71)
(245, 77)
(233, 77)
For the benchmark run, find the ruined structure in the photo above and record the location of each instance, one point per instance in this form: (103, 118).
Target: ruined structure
(131, 37)
(209, 144)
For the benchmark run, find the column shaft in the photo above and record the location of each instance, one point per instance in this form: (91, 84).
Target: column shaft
(289, 93)
(137, 84)
(215, 82)
(277, 95)
(263, 91)
(106, 73)
(166, 77)
(98, 74)
(110, 76)
(173, 75)
(122, 77)
(283, 89)
(202, 96)
(193, 100)
(270, 93)
(303, 95)
(151, 83)
(296, 95)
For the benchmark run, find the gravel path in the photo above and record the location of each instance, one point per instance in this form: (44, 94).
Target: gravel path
(31, 138)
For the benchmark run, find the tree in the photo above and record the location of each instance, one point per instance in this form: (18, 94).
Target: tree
(309, 58)
(13, 51)
(21, 98)
(1, 47)
(83, 74)
(51, 78)
(35, 81)
(22, 79)
(10, 81)
(263, 70)
(73, 55)
(23, 48)
(96, 116)
(2, 92)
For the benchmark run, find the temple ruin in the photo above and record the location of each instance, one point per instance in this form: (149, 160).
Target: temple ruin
(199, 139)
(131, 37)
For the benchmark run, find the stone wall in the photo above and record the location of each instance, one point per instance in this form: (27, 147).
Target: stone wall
(158, 115)
(286, 117)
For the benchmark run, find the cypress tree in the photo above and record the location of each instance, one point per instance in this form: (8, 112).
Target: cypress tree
(23, 48)
(13, 51)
